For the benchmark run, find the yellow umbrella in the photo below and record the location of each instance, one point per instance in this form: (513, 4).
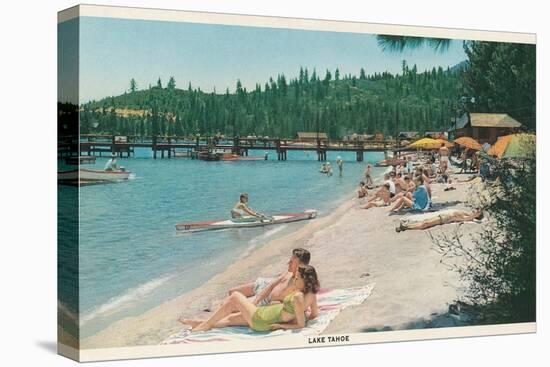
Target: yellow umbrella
(468, 142)
(426, 143)
(500, 146)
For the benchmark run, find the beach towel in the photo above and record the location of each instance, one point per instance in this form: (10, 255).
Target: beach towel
(330, 302)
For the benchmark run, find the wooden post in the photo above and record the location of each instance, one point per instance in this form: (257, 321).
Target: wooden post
(154, 145)
(169, 148)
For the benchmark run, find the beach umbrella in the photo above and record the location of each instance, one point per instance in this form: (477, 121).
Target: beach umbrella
(426, 143)
(468, 142)
(447, 143)
(500, 146)
(520, 146)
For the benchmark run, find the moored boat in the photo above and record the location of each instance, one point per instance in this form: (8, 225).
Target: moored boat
(235, 223)
(90, 175)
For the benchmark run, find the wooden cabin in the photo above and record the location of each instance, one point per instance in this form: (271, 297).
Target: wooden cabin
(484, 127)
(311, 137)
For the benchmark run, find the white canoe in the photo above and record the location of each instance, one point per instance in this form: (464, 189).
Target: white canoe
(228, 223)
(93, 175)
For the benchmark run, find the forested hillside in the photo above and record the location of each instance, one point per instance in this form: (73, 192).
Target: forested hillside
(332, 103)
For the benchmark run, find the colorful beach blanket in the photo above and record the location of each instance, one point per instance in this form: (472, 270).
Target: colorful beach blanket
(330, 302)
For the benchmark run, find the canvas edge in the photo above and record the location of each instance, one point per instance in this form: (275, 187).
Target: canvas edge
(299, 342)
(120, 12)
(291, 342)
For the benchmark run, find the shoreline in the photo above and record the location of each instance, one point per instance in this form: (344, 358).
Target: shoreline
(350, 247)
(160, 322)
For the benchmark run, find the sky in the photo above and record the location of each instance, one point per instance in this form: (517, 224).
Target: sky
(112, 51)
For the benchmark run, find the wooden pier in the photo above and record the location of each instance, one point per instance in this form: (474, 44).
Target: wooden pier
(166, 147)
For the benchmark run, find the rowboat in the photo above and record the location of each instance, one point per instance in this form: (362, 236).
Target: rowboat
(235, 223)
(90, 175)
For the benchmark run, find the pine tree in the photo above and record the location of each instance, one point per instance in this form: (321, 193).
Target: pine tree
(133, 85)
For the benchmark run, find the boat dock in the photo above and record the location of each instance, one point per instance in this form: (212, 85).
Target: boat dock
(169, 147)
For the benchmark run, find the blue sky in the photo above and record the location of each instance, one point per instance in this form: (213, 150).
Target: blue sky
(112, 51)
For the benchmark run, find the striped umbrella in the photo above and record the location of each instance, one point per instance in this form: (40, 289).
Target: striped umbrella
(521, 146)
(468, 142)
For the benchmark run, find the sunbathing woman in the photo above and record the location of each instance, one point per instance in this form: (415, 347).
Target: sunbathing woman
(419, 200)
(291, 314)
(444, 217)
(381, 198)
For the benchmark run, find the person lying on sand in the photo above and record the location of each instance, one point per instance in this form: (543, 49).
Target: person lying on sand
(380, 198)
(419, 200)
(266, 290)
(290, 314)
(443, 217)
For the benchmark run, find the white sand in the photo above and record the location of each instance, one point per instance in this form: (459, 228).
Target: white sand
(350, 247)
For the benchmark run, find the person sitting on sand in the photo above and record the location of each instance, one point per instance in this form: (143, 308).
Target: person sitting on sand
(419, 200)
(443, 217)
(389, 181)
(290, 314)
(381, 198)
(407, 188)
(400, 184)
(241, 211)
(362, 190)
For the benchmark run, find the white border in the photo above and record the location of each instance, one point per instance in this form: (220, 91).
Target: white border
(290, 23)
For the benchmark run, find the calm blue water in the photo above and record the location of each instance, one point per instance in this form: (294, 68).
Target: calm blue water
(130, 256)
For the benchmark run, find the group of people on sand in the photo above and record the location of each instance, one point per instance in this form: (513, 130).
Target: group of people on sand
(401, 191)
(408, 186)
(284, 302)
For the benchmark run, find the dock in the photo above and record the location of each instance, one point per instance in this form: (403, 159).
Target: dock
(174, 146)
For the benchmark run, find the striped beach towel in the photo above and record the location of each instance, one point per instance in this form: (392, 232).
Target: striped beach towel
(330, 302)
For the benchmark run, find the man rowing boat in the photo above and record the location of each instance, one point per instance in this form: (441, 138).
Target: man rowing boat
(242, 212)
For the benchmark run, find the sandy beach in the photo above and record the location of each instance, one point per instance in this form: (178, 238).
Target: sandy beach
(350, 247)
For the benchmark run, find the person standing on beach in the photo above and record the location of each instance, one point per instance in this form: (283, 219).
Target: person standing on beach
(409, 166)
(340, 164)
(443, 155)
(368, 178)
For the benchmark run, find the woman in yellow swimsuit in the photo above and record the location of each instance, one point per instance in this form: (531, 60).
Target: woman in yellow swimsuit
(291, 314)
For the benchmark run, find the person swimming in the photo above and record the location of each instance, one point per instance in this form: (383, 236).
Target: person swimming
(241, 211)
